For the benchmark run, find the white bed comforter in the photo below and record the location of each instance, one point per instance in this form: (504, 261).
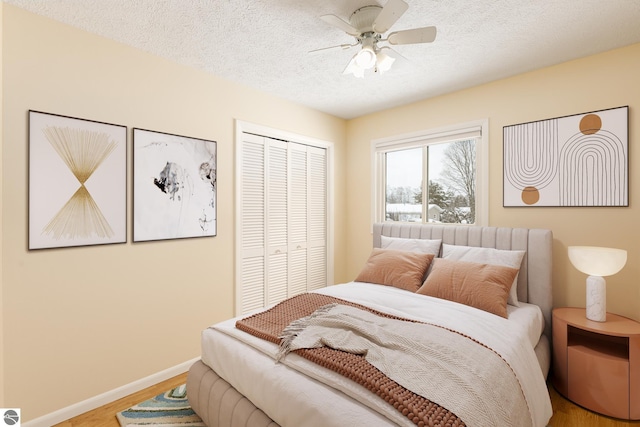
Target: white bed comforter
(291, 400)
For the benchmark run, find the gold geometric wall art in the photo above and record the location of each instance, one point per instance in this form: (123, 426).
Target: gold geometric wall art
(578, 160)
(174, 186)
(77, 182)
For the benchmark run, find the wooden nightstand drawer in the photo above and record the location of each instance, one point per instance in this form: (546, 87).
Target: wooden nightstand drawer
(597, 364)
(598, 381)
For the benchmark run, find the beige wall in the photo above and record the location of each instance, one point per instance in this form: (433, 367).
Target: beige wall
(78, 322)
(603, 81)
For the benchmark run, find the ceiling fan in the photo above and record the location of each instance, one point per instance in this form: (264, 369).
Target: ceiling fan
(368, 25)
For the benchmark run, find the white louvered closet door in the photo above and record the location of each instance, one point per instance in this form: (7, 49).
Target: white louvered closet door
(317, 218)
(277, 218)
(283, 221)
(252, 223)
(298, 221)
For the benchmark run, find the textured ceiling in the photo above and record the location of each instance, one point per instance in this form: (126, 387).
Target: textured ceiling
(265, 43)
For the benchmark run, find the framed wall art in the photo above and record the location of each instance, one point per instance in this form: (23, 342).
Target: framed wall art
(77, 182)
(578, 160)
(174, 186)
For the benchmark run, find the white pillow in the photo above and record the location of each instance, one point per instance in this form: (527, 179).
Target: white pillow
(493, 256)
(424, 246)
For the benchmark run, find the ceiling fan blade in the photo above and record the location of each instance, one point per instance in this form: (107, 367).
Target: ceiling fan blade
(340, 46)
(417, 35)
(339, 23)
(390, 13)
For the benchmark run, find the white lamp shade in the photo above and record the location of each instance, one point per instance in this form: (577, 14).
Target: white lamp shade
(597, 261)
(366, 58)
(384, 61)
(354, 68)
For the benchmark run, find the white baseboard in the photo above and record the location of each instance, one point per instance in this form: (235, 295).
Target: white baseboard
(108, 397)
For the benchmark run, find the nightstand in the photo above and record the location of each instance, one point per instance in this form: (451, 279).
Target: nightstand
(597, 364)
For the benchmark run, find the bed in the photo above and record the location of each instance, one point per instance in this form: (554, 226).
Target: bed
(238, 381)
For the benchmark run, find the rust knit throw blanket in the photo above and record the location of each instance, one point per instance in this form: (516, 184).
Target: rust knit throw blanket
(269, 325)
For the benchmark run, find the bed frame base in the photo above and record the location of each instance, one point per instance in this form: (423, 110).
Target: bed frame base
(219, 404)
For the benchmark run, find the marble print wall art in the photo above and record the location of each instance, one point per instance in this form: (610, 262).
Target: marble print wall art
(77, 182)
(174, 186)
(578, 160)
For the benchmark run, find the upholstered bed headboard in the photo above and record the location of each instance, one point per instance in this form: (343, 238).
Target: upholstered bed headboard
(535, 278)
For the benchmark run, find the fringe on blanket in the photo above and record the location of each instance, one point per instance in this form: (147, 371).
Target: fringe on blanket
(294, 328)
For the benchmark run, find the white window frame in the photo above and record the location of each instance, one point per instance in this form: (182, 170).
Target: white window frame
(240, 128)
(432, 136)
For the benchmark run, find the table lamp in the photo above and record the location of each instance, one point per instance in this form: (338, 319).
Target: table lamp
(597, 262)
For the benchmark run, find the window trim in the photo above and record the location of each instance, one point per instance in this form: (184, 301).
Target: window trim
(431, 136)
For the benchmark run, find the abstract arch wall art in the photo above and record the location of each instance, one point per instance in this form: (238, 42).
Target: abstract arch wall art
(77, 182)
(578, 160)
(174, 186)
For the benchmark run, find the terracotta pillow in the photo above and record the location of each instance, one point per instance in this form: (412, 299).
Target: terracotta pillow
(508, 258)
(404, 270)
(483, 286)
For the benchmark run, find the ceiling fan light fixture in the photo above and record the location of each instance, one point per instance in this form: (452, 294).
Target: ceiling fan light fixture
(383, 61)
(368, 25)
(354, 68)
(358, 72)
(366, 58)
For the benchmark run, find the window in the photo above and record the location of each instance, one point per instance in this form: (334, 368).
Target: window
(453, 164)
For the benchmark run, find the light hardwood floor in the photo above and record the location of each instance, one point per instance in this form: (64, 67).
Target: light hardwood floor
(105, 416)
(565, 413)
(568, 414)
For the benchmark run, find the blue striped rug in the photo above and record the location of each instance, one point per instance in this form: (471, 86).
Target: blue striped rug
(167, 409)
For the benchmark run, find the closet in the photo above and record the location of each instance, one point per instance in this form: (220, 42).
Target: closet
(282, 226)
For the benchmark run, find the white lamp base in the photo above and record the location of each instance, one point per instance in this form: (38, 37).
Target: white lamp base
(596, 299)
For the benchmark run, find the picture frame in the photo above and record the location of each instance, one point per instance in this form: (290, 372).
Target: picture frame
(174, 186)
(581, 160)
(77, 182)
